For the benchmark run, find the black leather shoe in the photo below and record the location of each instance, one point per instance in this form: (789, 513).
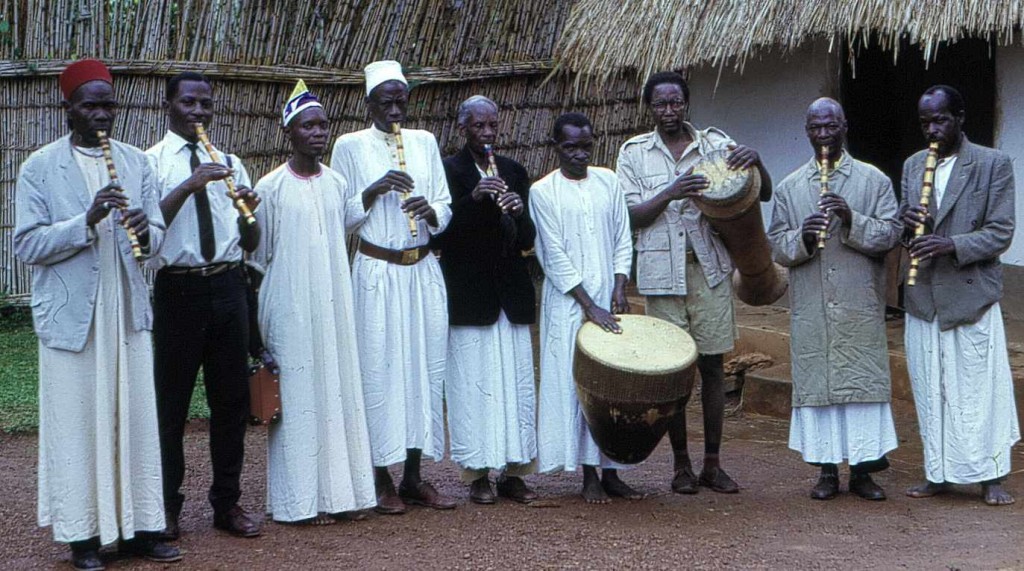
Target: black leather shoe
(827, 487)
(237, 522)
(863, 486)
(150, 548)
(86, 560)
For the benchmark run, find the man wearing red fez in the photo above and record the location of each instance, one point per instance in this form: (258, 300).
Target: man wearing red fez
(84, 224)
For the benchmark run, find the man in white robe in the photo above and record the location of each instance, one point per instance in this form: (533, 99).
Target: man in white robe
(490, 387)
(956, 345)
(319, 454)
(398, 198)
(585, 247)
(841, 382)
(99, 448)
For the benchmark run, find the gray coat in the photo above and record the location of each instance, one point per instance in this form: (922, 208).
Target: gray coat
(977, 212)
(50, 233)
(837, 295)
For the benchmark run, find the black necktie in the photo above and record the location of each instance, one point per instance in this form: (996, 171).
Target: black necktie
(203, 214)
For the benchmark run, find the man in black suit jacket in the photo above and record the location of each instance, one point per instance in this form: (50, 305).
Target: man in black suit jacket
(489, 387)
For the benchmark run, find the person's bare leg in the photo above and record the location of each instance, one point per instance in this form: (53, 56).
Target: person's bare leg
(995, 494)
(683, 479)
(593, 492)
(388, 501)
(712, 396)
(926, 490)
(616, 488)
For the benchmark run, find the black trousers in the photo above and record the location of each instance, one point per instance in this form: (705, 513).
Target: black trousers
(202, 321)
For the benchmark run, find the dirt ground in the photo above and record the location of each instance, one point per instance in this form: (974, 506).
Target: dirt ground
(770, 524)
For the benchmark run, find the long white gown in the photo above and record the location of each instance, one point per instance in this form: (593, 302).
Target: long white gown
(491, 395)
(319, 454)
(99, 445)
(402, 324)
(583, 237)
(963, 392)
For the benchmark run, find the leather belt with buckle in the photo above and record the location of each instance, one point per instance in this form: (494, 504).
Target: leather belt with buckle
(400, 257)
(202, 271)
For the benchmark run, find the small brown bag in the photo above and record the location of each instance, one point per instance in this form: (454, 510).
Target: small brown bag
(264, 396)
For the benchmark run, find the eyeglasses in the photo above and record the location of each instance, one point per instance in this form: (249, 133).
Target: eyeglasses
(662, 106)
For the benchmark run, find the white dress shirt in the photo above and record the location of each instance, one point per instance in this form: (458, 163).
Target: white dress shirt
(171, 161)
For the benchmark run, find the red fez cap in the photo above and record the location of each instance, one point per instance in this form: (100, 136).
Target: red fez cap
(81, 72)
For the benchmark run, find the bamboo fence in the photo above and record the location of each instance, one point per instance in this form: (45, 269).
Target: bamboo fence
(254, 52)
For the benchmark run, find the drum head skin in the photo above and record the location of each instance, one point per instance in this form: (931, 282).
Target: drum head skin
(727, 186)
(647, 345)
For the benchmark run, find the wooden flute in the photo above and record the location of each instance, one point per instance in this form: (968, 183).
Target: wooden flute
(927, 184)
(239, 203)
(823, 179)
(396, 130)
(492, 168)
(108, 158)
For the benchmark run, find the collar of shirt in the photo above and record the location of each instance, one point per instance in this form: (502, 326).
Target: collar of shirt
(655, 142)
(178, 145)
(845, 167)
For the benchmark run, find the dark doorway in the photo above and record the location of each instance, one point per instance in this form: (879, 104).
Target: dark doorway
(880, 98)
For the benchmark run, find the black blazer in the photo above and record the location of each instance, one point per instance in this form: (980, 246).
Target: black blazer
(482, 280)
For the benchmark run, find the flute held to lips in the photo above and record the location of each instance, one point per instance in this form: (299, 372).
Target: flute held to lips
(239, 203)
(108, 158)
(396, 130)
(823, 178)
(927, 184)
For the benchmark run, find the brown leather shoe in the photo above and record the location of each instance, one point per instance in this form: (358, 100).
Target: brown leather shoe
(237, 522)
(480, 491)
(515, 489)
(684, 481)
(862, 485)
(827, 486)
(718, 481)
(424, 495)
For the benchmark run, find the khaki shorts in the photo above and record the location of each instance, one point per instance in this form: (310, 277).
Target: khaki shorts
(705, 313)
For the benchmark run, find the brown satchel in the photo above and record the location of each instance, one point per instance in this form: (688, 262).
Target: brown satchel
(264, 396)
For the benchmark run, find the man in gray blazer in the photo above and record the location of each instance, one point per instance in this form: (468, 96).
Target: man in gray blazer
(99, 448)
(956, 346)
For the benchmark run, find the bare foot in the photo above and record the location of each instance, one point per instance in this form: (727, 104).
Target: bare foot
(996, 495)
(320, 519)
(594, 493)
(616, 488)
(926, 490)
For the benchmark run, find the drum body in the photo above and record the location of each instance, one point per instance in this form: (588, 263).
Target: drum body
(731, 206)
(631, 385)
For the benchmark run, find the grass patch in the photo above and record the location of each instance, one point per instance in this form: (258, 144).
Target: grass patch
(19, 375)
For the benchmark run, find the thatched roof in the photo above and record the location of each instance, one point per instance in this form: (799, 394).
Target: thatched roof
(604, 37)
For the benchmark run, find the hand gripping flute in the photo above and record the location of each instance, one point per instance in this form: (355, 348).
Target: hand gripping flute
(823, 178)
(240, 206)
(396, 130)
(112, 171)
(930, 162)
(492, 168)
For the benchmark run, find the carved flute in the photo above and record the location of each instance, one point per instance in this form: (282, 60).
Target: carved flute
(823, 179)
(240, 205)
(396, 130)
(492, 168)
(927, 184)
(108, 158)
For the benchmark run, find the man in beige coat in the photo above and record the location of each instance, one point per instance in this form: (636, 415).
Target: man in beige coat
(956, 346)
(841, 382)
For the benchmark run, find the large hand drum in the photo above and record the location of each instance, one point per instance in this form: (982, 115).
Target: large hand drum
(731, 206)
(631, 384)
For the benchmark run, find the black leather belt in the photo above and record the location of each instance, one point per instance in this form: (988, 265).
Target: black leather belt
(401, 257)
(202, 271)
